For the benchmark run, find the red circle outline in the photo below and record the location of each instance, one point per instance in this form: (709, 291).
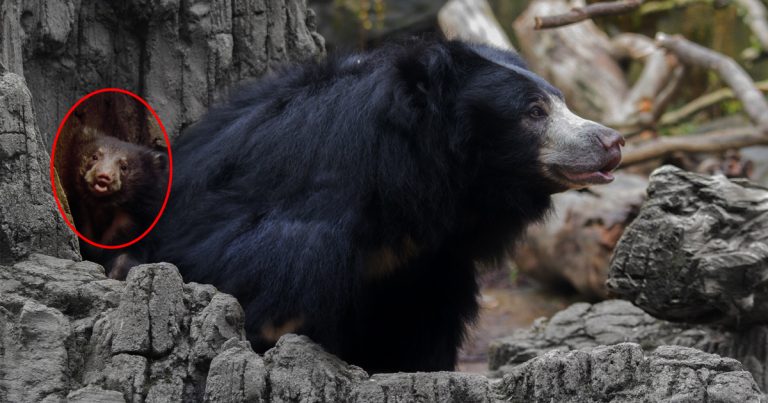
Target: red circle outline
(170, 168)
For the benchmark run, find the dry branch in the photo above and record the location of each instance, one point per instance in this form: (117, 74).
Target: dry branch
(472, 21)
(729, 71)
(653, 89)
(578, 14)
(713, 141)
(702, 102)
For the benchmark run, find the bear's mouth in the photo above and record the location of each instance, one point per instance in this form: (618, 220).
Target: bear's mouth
(599, 176)
(100, 187)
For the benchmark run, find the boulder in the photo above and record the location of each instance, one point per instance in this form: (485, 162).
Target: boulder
(697, 250)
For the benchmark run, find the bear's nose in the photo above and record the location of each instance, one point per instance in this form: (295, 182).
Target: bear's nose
(609, 138)
(104, 177)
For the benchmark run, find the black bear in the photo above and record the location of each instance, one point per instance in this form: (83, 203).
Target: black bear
(349, 199)
(115, 190)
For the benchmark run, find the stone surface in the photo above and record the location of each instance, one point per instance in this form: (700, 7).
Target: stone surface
(29, 219)
(67, 333)
(623, 373)
(180, 56)
(584, 326)
(697, 252)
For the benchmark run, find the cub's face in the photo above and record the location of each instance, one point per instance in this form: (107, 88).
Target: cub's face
(104, 168)
(528, 130)
(115, 170)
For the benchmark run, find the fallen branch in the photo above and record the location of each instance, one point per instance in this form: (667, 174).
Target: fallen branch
(703, 102)
(472, 21)
(743, 87)
(578, 14)
(713, 141)
(653, 89)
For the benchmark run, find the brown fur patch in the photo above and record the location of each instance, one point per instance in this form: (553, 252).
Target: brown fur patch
(383, 261)
(271, 332)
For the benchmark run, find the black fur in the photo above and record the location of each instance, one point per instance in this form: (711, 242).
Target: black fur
(352, 197)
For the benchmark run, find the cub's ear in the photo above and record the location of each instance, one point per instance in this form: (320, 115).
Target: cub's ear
(160, 161)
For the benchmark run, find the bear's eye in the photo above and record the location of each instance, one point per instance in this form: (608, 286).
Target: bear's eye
(95, 157)
(123, 167)
(537, 112)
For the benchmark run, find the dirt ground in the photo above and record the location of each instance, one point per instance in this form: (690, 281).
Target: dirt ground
(508, 302)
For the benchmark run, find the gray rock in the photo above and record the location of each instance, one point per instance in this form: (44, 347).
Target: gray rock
(180, 56)
(64, 326)
(29, 220)
(236, 375)
(301, 371)
(623, 373)
(69, 334)
(425, 387)
(697, 251)
(584, 326)
(93, 394)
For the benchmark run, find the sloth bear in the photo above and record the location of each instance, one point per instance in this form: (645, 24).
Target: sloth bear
(115, 190)
(348, 200)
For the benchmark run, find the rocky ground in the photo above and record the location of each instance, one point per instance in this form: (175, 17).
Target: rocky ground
(67, 333)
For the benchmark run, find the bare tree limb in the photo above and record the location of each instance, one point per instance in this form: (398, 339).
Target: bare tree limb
(717, 140)
(472, 21)
(755, 18)
(730, 72)
(651, 92)
(703, 102)
(578, 14)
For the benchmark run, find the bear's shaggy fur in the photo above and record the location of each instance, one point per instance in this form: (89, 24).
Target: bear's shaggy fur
(348, 200)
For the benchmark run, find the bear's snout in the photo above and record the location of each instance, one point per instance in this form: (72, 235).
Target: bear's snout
(610, 138)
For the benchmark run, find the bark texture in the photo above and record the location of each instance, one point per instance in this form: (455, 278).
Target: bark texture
(697, 251)
(180, 56)
(29, 219)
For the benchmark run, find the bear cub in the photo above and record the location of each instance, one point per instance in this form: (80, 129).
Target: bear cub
(115, 190)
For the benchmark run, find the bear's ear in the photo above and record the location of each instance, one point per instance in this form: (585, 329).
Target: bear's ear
(427, 71)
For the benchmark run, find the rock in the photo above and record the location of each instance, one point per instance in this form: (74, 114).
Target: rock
(180, 56)
(65, 327)
(584, 326)
(697, 251)
(425, 387)
(29, 219)
(236, 375)
(574, 246)
(68, 332)
(623, 373)
(92, 394)
(302, 371)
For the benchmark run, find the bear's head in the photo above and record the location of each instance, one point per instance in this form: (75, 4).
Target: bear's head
(517, 125)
